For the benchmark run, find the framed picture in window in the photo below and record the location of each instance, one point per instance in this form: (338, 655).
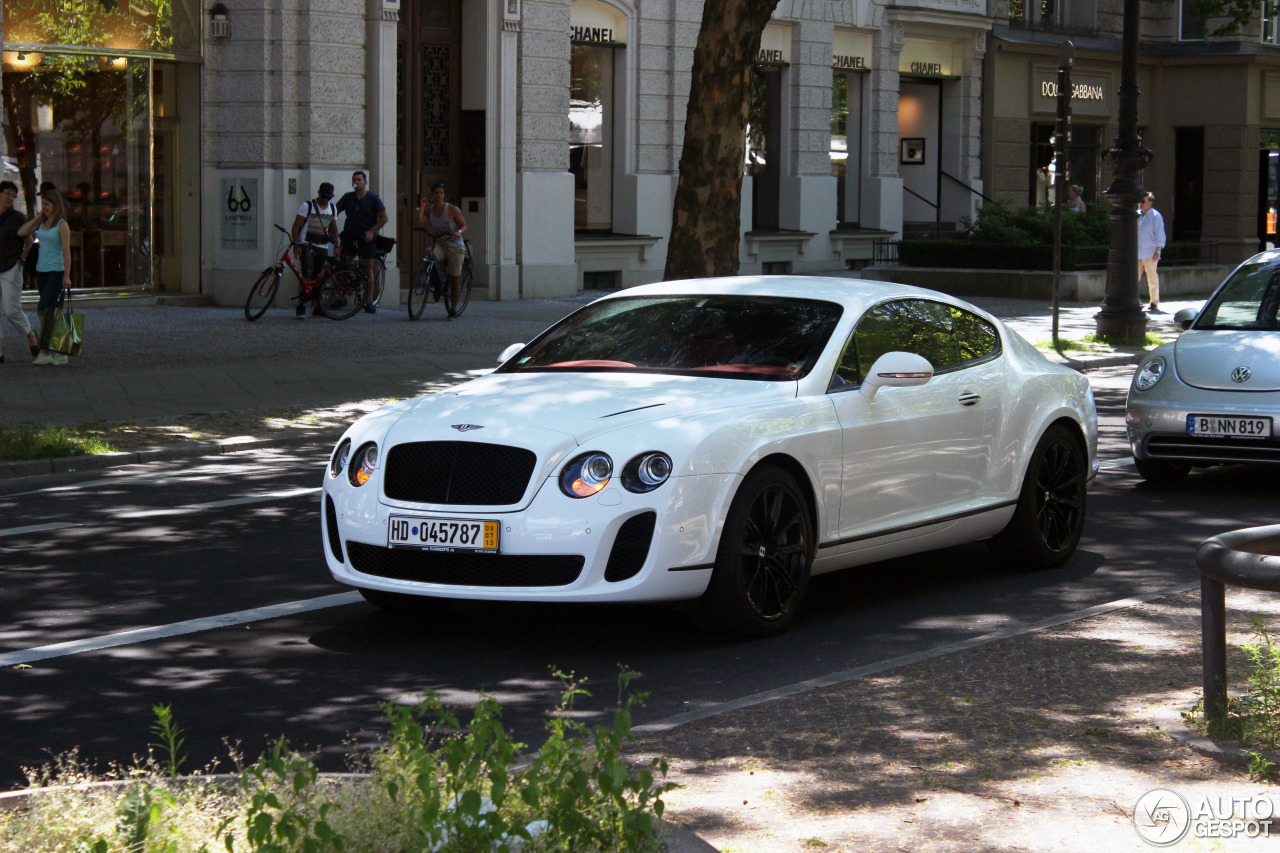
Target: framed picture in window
(912, 150)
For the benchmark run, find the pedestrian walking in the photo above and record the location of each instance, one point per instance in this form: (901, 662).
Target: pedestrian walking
(53, 270)
(1150, 242)
(11, 256)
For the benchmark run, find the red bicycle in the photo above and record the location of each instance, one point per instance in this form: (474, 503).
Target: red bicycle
(341, 289)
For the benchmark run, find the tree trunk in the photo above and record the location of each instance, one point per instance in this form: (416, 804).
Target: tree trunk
(707, 214)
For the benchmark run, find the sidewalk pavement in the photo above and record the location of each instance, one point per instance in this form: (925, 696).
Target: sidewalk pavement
(1036, 737)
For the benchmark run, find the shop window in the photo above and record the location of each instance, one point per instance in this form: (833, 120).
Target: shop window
(1083, 166)
(846, 145)
(764, 142)
(592, 102)
(1188, 183)
(1270, 21)
(83, 123)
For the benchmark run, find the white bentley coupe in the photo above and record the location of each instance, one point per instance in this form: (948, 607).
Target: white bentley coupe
(717, 442)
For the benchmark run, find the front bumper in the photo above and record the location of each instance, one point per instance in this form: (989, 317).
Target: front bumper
(1156, 422)
(555, 549)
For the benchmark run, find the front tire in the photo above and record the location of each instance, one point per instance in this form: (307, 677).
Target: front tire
(1161, 472)
(1047, 525)
(763, 562)
(419, 290)
(464, 293)
(262, 294)
(342, 294)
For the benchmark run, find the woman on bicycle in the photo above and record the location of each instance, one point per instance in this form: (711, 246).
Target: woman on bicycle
(445, 224)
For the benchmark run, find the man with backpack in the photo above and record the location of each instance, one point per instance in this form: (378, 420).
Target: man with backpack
(316, 227)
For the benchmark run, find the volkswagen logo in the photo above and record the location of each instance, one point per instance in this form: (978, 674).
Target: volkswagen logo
(466, 427)
(1240, 374)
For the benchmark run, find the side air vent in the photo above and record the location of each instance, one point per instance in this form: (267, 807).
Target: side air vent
(331, 528)
(631, 548)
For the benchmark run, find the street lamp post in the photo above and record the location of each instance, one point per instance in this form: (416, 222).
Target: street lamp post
(1121, 315)
(1061, 151)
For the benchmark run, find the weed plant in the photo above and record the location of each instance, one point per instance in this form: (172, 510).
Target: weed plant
(430, 785)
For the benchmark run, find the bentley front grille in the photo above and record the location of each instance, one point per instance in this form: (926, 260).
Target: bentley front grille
(458, 473)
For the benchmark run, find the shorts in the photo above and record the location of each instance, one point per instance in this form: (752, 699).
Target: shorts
(452, 259)
(355, 245)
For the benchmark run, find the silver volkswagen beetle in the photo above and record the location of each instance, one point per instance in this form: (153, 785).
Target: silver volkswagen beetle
(1212, 396)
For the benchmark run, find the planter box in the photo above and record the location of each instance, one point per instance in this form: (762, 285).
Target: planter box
(1087, 286)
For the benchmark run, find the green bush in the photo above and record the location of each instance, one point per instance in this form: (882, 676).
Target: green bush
(432, 785)
(1000, 223)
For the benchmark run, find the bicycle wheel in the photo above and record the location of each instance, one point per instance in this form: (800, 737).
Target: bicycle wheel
(342, 294)
(379, 282)
(419, 289)
(262, 294)
(464, 292)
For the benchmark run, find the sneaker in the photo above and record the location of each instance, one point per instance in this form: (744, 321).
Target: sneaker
(1153, 308)
(44, 358)
(300, 312)
(371, 309)
(57, 359)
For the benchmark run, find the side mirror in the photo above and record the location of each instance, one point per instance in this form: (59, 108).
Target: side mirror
(1184, 318)
(896, 370)
(508, 352)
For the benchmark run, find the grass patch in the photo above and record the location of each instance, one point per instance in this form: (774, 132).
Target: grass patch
(432, 784)
(1098, 343)
(43, 441)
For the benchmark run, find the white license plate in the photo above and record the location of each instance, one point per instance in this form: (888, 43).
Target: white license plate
(1218, 426)
(442, 534)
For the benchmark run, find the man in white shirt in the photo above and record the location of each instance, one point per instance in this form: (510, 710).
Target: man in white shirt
(319, 219)
(1150, 242)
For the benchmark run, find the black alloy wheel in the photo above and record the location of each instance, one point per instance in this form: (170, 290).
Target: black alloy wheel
(763, 562)
(1049, 520)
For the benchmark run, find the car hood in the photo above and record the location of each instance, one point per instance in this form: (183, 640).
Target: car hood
(542, 410)
(1208, 359)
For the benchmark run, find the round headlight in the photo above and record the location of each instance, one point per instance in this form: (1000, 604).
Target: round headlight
(364, 463)
(341, 456)
(646, 472)
(1150, 373)
(586, 475)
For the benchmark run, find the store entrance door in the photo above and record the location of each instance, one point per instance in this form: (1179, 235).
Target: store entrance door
(428, 120)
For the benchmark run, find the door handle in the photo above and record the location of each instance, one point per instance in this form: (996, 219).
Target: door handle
(968, 398)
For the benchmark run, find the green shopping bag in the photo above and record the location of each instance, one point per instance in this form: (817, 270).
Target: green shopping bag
(63, 329)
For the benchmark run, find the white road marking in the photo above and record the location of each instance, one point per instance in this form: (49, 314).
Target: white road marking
(191, 626)
(37, 528)
(843, 676)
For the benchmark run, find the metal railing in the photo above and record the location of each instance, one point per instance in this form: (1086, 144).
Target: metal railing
(1248, 558)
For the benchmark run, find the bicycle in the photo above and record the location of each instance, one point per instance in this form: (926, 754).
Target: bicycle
(430, 283)
(341, 289)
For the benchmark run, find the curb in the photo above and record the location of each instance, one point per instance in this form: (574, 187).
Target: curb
(1170, 721)
(155, 453)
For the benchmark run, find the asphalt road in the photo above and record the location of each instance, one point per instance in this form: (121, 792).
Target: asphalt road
(213, 542)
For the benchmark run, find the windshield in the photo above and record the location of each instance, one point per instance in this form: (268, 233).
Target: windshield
(1248, 300)
(742, 337)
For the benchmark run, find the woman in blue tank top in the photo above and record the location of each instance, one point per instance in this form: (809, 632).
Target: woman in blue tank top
(53, 268)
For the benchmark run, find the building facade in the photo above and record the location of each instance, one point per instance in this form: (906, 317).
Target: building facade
(1209, 109)
(557, 125)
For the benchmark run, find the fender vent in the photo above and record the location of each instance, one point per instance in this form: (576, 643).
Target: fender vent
(631, 547)
(331, 528)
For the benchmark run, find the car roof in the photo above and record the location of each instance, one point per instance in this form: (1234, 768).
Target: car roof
(853, 293)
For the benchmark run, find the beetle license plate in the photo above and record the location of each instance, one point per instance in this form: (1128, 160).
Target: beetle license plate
(442, 534)
(1219, 426)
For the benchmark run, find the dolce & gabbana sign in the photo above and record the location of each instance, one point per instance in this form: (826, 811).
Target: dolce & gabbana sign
(1090, 91)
